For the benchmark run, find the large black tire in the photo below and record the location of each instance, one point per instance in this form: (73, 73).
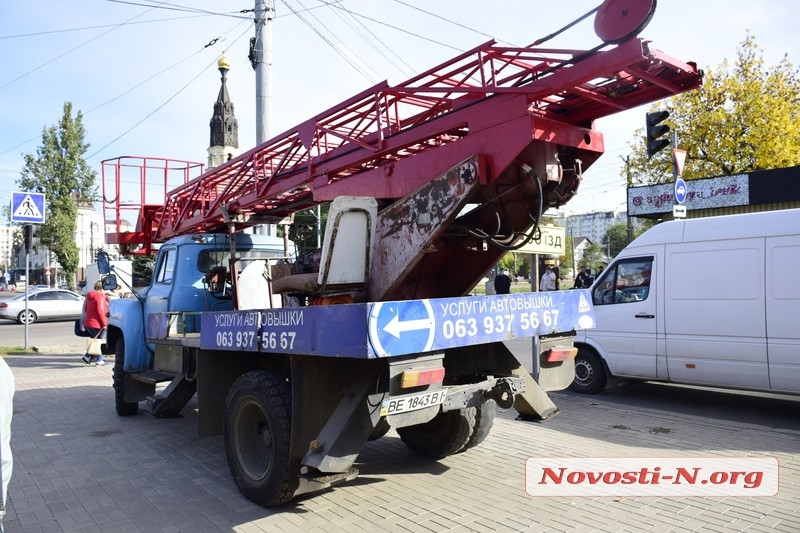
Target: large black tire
(484, 420)
(123, 408)
(590, 373)
(381, 429)
(447, 433)
(258, 424)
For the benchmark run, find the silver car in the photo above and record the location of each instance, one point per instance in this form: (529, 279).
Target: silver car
(43, 304)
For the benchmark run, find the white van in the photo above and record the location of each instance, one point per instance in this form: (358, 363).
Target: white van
(708, 301)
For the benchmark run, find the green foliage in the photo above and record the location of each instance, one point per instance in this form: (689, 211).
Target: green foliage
(616, 236)
(59, 171)
(303, 230)
(143, 270)
(744, 118)
(593, 256)
(615, 239)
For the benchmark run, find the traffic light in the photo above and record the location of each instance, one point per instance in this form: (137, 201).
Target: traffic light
(656, 129)
(31, 237)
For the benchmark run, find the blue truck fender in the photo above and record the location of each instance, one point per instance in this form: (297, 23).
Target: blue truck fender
(126, 324)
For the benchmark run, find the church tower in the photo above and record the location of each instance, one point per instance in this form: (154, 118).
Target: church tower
(224, 126)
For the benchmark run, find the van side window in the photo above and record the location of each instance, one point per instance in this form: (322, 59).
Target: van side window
(624, 282)
(167, 266)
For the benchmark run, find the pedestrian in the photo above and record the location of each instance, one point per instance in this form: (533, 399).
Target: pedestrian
(502, 282)
(114, 294)
(95, 318)
(548, 281)
(6, 411)
(582, 279)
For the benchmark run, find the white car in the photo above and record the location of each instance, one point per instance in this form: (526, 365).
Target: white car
(43, 304)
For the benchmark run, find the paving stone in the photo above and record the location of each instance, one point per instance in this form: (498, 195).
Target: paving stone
(81, 468)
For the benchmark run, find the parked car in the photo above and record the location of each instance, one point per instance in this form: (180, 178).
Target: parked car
(43, 304)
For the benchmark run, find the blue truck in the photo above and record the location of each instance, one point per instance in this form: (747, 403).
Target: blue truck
(299, 359)
(298, 390)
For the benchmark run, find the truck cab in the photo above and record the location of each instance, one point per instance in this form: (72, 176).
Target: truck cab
(191, 275)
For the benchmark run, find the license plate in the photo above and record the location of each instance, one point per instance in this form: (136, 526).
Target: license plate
(404, 404)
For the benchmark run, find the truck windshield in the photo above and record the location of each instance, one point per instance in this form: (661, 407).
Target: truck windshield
(210, 259)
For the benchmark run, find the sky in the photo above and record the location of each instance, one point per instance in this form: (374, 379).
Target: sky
(144, 73)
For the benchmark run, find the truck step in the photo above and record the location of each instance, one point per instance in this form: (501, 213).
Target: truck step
(314, 481)
(151, 377)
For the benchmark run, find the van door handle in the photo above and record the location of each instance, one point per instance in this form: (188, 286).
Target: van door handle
(644, 315)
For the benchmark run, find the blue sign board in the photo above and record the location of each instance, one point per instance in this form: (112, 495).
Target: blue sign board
(334, 330)
(27, 207)
(680, 190)
(387, 329)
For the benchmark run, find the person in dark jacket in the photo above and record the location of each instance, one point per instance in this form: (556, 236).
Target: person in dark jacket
(582, 279)
(502, 283)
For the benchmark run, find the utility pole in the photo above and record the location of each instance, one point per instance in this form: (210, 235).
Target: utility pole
(261, 59)
(627, 197)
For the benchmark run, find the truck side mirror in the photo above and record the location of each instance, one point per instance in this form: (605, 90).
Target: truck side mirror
(109, 282)
(103, 264)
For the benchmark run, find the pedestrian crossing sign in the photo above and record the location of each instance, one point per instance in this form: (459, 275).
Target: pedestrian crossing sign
(27, 207)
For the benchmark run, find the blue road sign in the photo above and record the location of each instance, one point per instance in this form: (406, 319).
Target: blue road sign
(402, 327)
(680, 190)
(27, 207)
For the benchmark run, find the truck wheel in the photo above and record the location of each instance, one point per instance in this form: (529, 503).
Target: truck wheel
(590, 374)
(484, 420)
(123, 408)
(258, 423)
(446, 434)
(381, 429)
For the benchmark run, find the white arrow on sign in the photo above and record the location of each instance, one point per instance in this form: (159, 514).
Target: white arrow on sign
(395, 327)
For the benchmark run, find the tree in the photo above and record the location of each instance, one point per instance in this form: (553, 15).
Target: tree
(593, 256)
(60, 172)
(742, 119)
(142, 270)
(616, 236)
(615, 239)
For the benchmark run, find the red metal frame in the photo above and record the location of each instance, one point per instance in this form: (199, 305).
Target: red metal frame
(449, 112)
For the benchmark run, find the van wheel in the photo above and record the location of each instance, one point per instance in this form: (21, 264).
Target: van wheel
(590, 374)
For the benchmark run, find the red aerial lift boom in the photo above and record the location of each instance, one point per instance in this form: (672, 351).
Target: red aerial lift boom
(526, 113)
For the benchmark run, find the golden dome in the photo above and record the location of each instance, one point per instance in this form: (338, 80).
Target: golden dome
(223, 62)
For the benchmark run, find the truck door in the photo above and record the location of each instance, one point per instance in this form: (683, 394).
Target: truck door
(625, 303)
(158, 296)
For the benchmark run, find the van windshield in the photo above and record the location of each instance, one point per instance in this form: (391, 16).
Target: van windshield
(625, 282)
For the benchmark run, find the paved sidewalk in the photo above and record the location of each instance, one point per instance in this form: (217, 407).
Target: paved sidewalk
(81, 468)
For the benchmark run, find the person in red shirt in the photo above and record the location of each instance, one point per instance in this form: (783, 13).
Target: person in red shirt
(95, 317)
